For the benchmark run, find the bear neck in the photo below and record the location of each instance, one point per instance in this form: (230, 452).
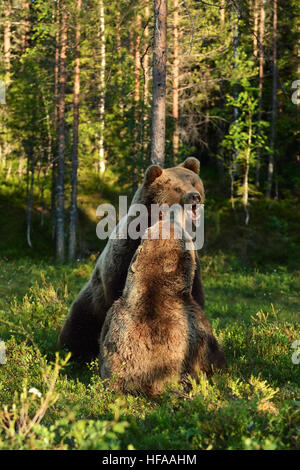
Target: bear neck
(153, 300)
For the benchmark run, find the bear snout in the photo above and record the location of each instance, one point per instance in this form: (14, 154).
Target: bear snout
(193, 198)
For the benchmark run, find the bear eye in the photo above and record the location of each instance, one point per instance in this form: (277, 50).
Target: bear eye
(178, 190)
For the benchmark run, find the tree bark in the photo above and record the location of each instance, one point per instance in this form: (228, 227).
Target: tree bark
(158, 136)
(7, 41)
(261, 79)
(222, 12)
(101, 163)
(25, 26)
(246, 171)
(145, 61)
(73, 211)
(55, 123)
(146, 58)
(60, 213)
(30, 200)
(175, 81)
(235, 108)
(255, 28)
(7, 68)
(274, 104)
(136, 97)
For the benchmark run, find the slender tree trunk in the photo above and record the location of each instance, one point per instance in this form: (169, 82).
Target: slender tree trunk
(175, 81)
(222, 12)
(60, 217)
(55, 123)
(235, 108)
(146, 57)
(118, 38)
(119, 69)
(20, 169)
(255, 28)
(137, 64)
(7, 41)
(261, 79)
(7, 68)
(274, 104)
(221, 127)
(101, 163)
(158, 137)
(246, 172)
(25, 26)
(73, 212)
(30, 201)
(145, 130)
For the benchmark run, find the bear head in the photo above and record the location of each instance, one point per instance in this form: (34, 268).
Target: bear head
(177, 185)
(164, 266)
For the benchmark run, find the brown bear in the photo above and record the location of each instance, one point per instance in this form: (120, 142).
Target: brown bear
(177, 185)
(156, 332)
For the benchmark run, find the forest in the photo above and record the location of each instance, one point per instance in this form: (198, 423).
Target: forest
(92, 92)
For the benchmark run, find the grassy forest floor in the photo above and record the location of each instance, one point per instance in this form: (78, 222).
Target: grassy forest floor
(254, 308)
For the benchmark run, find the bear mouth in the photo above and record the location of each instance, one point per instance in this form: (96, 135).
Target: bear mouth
(194, 214)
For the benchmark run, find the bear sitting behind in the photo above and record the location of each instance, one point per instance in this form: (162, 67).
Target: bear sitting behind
(156, 332)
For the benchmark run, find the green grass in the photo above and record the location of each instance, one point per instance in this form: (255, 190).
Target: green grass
(254, 405)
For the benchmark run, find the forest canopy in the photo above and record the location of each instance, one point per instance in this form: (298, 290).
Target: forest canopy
(76, 113)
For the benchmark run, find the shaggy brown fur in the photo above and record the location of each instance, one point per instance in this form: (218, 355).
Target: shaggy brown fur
(156, 332)
(81, 331)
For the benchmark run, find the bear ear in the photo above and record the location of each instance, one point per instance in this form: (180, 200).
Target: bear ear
(191, 163)
(152, 172)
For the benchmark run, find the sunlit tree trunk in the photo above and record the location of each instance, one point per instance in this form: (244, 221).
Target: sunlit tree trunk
(158, 136)
(25, 26)
(274, 104)
(30, 200)
(234, 166)
(7, 41)
(55, 123)
(145, 61)
(261, 78)
(101, 163)
(137, 65)
(7, 67)
(246, 171)
(73, 211)
(119, 69)
(255, 27)
(146, 57)
(222, 12)
(60, 213)
(175, 81)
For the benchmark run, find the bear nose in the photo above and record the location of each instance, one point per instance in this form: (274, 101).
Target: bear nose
(194, 198)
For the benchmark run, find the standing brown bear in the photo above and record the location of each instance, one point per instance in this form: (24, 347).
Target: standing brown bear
(81, 331)
(156, 332)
